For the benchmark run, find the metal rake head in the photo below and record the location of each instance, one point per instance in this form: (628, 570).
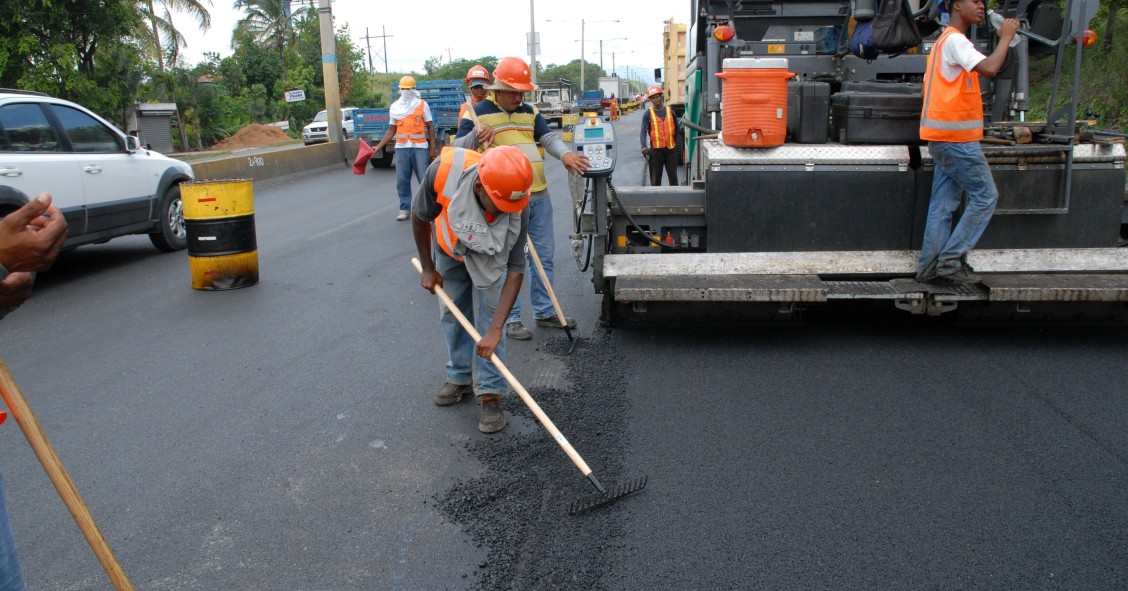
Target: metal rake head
(613, 494)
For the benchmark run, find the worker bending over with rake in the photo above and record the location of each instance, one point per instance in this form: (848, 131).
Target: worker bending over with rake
(472, 205)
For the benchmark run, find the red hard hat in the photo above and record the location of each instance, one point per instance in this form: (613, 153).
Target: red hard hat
(506, 175)
(653, 90)
(514, 72)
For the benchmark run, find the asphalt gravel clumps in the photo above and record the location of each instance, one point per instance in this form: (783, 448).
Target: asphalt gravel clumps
(518, 508)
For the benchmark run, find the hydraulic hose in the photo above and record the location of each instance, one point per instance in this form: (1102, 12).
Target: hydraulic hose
(631, 221)
(696, 127)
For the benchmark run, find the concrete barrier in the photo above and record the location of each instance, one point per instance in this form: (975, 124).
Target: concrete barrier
(278, 165)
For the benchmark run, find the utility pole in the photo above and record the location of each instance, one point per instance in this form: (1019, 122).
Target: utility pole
(368, 41)
(385, 54)
(533, 41)
(329, 74)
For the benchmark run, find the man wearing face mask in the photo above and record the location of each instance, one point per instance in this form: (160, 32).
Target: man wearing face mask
(411, 124)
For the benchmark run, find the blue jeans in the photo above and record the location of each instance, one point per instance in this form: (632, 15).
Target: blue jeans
(409, 161)
(540, 232)
(11, 577)
(959, 167)
(465, 366)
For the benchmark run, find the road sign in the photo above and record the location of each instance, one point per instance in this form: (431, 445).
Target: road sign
(293, 96)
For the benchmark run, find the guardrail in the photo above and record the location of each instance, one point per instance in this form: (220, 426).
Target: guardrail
(278, 165)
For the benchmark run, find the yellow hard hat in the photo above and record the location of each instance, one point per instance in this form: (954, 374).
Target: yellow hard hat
(407, 82)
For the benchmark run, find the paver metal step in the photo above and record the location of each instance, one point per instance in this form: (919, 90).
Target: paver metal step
(721, 288)
(1033, 287)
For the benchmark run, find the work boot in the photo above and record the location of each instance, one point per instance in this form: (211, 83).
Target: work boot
(554, 322)
(451, 394)
(491, 417)
(961, 275)
(516, 330)
(928, 276)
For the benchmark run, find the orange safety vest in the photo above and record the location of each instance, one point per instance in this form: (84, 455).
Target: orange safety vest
(952, 111)
(452, 163)
(662, 136)
(412, 127)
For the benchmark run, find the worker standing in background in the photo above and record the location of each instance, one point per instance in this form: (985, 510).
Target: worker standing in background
(472, 205)
(505, 119)
(951, 121)
(659, 138)
(477, 78)
(411, 124)
(614, 108)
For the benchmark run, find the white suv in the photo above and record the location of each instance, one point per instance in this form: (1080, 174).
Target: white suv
(104, 182)
(317, 131)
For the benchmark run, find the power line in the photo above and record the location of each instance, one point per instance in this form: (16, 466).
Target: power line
(367, 38)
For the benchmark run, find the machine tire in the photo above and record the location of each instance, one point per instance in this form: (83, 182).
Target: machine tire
(171, 235)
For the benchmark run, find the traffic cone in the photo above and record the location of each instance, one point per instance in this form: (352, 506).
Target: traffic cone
(362, 157)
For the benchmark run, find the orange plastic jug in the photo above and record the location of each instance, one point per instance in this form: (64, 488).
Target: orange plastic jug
(754, 102)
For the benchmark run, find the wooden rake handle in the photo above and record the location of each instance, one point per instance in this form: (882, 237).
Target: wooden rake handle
(21, 412)
(547, 285)
(524, 394)
(474, 117)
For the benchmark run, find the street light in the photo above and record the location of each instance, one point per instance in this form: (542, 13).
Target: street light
(583, 24)
(601, 50)
(614, 71)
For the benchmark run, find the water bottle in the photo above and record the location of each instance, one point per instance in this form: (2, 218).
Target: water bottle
(996, 21)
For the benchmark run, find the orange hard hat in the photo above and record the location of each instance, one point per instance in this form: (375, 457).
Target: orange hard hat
(477, 76)
(653, 90)
(407, 83)
(514, 73)
(506, 175)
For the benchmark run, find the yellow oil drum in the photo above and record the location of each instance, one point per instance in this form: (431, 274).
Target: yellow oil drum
(219, 216)
(567, 127)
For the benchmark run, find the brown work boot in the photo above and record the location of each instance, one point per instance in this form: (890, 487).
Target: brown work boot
(451, 394)
(491, 417)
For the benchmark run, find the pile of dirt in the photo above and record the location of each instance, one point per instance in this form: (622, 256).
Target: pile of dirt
(253, 136)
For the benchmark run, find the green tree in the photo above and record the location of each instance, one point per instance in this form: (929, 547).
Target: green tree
(267, 21)
(52, 46)
(455, 70)
(571, 71)
(159, 35)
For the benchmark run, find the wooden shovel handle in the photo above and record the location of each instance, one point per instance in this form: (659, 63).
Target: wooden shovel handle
(524, 394)
(21, 412)
(547, 285)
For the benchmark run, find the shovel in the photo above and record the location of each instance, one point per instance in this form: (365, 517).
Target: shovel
(21, 412)
(552, 295)
(604, 496)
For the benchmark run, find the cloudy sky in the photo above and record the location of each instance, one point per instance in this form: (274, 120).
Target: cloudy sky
(457, 29)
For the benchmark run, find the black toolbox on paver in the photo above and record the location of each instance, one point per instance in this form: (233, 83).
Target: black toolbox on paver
(808, 112)
(876, 118)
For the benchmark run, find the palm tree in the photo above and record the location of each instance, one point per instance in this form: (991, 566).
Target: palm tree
(157, 32)
(267, 21)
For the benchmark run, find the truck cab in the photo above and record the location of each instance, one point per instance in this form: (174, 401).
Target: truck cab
(554, 100)
(590, 101)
